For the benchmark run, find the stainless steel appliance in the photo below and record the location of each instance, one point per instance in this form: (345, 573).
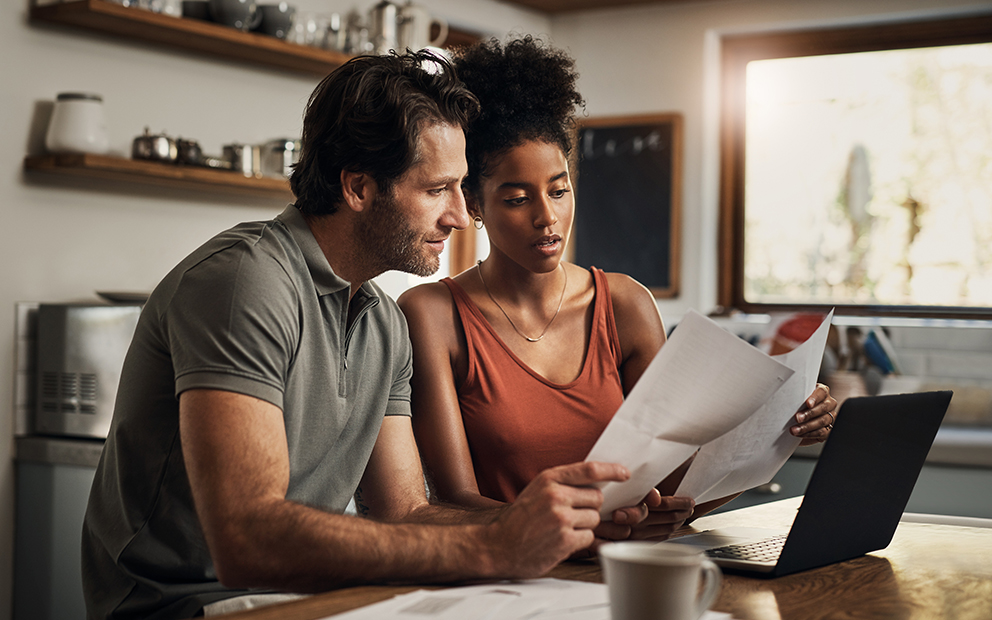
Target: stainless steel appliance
(80, 353)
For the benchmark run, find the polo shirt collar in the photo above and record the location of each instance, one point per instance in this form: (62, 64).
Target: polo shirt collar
(324, 278)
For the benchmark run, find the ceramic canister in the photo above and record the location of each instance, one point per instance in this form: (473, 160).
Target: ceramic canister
(77, 124)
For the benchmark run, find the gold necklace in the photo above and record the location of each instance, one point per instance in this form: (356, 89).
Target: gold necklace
(478, 265)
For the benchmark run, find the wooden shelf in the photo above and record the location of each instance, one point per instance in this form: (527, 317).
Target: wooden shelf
(571, 6)
(190, 34)
(119, 169)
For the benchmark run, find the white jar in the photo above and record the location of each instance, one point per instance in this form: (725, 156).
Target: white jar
(77, 125)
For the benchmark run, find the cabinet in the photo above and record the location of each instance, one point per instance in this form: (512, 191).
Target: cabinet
(53, 484)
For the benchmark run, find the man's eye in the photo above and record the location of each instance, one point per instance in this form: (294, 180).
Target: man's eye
(437, 191)
(558, 193)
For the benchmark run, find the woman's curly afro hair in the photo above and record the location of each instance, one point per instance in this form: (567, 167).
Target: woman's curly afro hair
(526, 92)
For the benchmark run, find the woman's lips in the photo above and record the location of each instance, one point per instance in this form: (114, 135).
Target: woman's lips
(548, 246)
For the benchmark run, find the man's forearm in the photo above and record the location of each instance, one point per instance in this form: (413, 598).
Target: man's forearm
(439, 513)
(292, 547)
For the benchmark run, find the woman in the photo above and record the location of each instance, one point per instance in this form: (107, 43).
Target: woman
(521, 361)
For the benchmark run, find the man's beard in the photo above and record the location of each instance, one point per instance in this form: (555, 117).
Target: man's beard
(390, 243)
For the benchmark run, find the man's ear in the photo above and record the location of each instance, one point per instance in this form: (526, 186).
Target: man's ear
(358, 190)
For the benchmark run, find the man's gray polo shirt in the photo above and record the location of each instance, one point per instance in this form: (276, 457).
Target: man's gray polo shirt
(256, 310)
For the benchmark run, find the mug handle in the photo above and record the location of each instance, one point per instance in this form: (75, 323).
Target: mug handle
(712, 578)
(256, 18)
(443, 34)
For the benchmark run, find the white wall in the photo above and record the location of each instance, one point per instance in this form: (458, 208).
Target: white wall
(64, 241)
(665, 58)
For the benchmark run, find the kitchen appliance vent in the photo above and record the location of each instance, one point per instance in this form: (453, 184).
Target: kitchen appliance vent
(68, 392)
(80, 355)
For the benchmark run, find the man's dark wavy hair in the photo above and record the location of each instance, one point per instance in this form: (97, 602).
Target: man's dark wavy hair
(367, 116)
(527, 92)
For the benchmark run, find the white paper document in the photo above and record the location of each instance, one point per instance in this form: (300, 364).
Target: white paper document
(751, 453)
(532, 599)
(701, 384)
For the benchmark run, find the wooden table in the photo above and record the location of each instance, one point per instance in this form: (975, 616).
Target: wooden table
(928, 571)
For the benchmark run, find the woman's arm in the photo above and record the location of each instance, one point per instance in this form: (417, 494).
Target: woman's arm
(642, 334)
(639, 327)
(439, 352)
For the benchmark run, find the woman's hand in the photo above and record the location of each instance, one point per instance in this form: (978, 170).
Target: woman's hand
(666, 514)
(816, 417)
(624, 519)
(657, 517)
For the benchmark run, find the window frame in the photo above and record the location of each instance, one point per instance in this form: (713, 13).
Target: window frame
(737, 51)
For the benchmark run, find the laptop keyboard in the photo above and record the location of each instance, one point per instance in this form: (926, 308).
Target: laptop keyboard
(766, 550)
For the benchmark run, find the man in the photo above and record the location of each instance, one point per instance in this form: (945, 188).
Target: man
(268, 383)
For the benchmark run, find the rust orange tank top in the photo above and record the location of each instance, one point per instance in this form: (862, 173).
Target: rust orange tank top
(517, 422)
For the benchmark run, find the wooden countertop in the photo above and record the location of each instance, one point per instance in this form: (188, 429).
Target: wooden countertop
(928, 571)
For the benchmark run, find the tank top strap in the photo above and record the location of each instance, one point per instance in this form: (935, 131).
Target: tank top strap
(604, 312)
(474, 324)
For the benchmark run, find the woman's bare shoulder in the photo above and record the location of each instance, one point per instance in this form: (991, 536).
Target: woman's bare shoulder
(429, 304)
(629, 294)
(432, 318)
(422, 295)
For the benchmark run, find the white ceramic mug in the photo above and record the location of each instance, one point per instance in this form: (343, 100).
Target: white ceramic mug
(414, 31)
(648, 581)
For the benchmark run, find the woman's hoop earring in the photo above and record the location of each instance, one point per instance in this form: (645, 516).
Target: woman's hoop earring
(478, 222)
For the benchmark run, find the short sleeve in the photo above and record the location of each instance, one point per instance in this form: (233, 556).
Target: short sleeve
(400, 390)
(233, 324)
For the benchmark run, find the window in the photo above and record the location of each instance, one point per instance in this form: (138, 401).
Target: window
(856, 169)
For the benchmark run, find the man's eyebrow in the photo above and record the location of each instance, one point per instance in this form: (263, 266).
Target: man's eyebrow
(446, 180)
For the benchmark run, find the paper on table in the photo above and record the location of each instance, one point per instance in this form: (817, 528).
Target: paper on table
(751, 453)
(532, 599)
(701, 384)
(506, 600)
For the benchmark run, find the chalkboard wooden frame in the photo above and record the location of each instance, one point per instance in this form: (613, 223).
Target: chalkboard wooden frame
(628, 198)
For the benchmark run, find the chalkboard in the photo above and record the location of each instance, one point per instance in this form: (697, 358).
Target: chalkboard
(627, 198)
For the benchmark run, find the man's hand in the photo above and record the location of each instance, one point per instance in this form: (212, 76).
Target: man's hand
(551, 519)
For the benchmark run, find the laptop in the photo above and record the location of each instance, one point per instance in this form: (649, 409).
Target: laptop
(855, 497)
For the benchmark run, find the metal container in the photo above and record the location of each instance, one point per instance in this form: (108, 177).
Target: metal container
(278, 157)
(383, 31)
(244, 158)
(158, 147)
(189, 152)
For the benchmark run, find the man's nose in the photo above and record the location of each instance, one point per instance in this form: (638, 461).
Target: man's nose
(456, 215)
